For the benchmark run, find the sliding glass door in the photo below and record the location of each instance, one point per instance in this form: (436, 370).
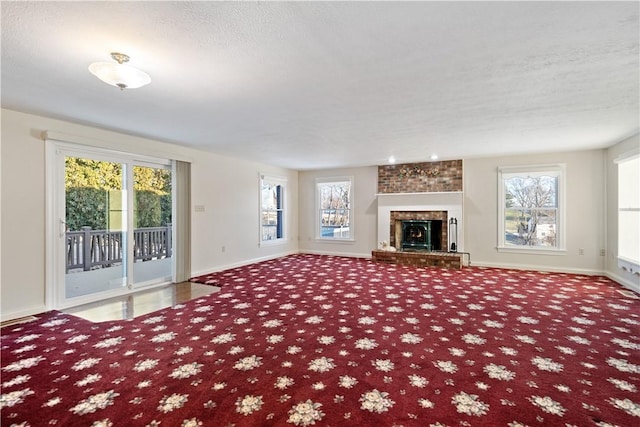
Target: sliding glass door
(152, 225)
(115, 222)
(95, 225)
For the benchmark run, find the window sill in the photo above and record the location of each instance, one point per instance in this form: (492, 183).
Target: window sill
(531, 250)
(341, 241)
(629, 266)
(274, 242)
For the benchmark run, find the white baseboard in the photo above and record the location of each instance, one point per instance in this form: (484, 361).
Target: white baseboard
(624, 282)
(242, 263)
(620, 280)
(332, 253)
(267, 258)
(29, 311)
(588, 272)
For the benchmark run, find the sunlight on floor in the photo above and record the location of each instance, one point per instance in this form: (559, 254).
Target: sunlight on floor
(141, 303)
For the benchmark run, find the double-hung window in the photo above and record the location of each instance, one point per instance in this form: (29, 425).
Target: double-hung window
(272, 212)
(629, 212)
(334, 198)
(531, 208)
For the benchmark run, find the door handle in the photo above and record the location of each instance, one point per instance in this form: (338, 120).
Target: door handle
(63, 228)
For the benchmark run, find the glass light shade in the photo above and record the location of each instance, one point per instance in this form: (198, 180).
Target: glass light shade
(119, 75)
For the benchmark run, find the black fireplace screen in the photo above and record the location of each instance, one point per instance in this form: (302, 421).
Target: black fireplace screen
(421, 235)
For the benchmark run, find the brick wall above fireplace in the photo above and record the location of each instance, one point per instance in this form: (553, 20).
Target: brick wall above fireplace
(426, 177)
(418, 191)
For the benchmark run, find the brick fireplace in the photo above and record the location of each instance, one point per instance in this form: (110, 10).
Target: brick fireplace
(420, 192)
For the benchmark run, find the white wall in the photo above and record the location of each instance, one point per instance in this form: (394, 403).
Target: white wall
(585, 213)
(23, 223)
(228, 190)
(630, 280)
(585, 226)
(364, 208)
(226, 187)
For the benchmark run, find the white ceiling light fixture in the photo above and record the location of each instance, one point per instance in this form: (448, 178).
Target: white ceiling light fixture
(119, 74)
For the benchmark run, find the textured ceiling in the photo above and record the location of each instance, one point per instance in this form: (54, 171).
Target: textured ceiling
(310, 85)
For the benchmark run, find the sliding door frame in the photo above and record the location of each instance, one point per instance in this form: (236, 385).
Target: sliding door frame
(56, 151)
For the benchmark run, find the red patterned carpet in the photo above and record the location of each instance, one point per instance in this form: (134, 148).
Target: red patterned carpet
(329, 341)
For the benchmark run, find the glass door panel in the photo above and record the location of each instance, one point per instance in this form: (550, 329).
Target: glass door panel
(95, 226)
(152, 244)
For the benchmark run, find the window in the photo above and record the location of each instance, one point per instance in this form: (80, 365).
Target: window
(334, 198)
(629, 212)
(531, 201)
(271, 208)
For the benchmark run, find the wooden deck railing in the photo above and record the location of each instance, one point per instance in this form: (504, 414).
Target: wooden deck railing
(87, 248)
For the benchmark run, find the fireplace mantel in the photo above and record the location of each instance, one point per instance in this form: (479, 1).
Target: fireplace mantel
(451, 202)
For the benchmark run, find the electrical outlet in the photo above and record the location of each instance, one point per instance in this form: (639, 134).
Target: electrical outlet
(198, 208)
(603, 252)
(224, 248)
(581, 251)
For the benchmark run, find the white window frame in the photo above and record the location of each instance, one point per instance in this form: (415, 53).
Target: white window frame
(334, 180)
(628, 204)
(557, 170)
(282, 182)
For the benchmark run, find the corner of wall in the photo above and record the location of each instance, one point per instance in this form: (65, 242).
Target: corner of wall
(611, 268)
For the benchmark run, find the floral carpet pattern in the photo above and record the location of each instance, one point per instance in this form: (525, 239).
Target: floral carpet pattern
(328, 341)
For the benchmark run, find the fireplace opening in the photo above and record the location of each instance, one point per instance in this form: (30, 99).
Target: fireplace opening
(421, 235)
